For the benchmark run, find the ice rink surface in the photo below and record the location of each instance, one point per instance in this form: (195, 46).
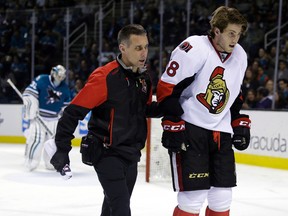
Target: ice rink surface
(260, 191)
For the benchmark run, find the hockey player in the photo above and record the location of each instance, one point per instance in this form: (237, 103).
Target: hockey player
(200, 92)
(119, 95)
(46, 97)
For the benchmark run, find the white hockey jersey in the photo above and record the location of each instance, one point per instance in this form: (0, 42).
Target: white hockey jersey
(217, 79)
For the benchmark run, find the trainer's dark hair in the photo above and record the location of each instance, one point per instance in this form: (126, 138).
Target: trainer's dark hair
(128, 30)
(223, 16)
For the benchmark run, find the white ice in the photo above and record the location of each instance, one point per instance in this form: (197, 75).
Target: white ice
(260, 191)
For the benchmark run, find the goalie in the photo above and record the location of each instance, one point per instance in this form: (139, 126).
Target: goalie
(46, 97)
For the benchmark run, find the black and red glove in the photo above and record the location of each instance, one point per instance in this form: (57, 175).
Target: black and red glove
(173, 137)
(241, 128)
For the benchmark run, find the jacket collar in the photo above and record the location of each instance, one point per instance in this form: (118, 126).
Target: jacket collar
(140, 70)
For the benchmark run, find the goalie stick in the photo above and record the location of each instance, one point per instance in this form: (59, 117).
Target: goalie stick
(38, 118)
(66, 171)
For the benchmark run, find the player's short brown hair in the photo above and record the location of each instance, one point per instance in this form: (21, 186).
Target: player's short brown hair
(223, 16)
(128, 30)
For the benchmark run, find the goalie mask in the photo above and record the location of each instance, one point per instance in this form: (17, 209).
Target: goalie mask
(58, 74)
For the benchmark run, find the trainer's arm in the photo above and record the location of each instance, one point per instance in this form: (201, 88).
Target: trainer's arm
(92, 95)
(67, 125)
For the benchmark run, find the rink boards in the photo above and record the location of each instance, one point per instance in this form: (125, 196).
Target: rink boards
(268, 145)
(269, 140)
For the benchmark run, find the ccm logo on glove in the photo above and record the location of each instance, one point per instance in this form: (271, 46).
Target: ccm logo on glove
(245, 122)
(173, 126)
(173, 136)
(241, 128)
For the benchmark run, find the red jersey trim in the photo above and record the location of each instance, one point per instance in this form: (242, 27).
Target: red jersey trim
(164, 90)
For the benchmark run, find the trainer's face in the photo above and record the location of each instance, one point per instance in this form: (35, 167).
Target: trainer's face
(135, 51)
(226, 41)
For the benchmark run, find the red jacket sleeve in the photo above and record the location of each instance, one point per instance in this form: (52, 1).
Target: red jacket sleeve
(94, 92)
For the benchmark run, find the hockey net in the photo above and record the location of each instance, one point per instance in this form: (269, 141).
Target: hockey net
(155, 159)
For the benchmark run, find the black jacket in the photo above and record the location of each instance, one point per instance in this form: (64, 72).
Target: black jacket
(120, 101)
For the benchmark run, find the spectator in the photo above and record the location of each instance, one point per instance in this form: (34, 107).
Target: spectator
(272, 54)
(17, 41)
(283, 70)
(270, 86)
(84, 70)
(4, 46)
(250, 100)
(107, 53)
(71, 78)
(254, 38)
(283, 94)
(254, 66)
(264, 58)
(264, 102)
(250, 81)
(261, 76)
(79, 84)
(7, 94)
(19, 68)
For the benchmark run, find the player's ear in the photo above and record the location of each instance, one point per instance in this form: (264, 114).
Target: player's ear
(121, 48)
(217, 31)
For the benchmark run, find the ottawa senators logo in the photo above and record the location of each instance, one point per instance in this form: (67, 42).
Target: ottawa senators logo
(186, 46)
(216, 96)
(144, 85)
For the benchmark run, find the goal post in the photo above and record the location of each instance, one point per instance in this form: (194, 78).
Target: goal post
(148, 151)
(157, 163)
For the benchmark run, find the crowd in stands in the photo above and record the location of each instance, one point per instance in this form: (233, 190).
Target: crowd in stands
(15, 45)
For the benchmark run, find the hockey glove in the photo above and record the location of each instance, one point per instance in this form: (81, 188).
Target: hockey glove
(241, 128)
(173, 135)
(60, 161)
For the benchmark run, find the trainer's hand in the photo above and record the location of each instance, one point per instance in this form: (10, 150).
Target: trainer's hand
(59, 160)
(173, 136)
(241, 128)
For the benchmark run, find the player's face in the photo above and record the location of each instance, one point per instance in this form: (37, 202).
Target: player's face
(226, 41)
(134, 53)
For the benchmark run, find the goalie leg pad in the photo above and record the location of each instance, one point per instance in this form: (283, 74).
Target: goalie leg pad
(49, 150)
(34, 146)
